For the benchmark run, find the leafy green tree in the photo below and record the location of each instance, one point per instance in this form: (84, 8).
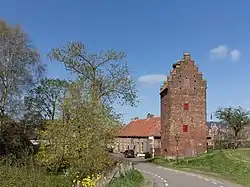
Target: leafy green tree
(106, 75)
(81, 141)
(47, 97)
(236, 118)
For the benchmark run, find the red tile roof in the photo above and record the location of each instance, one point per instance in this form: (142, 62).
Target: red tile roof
(142, 128)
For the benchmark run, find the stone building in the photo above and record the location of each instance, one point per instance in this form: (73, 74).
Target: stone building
(135, 135)
(214, 130)
(183, 110)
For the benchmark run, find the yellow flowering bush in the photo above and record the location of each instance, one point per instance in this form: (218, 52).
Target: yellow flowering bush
(89, 181)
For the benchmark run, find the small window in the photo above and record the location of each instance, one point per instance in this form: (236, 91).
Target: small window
(194, 76)
(186, 77)
(194, 80)
(185, 128)
(185, 106)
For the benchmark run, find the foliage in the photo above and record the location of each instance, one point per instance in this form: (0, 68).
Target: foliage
(15, 140)
(224, 163)
(132, 178)
(76, 121)
(73, 140)
(236, 118)
(89, 181)
(29, 175)
(106, 74)
(47, 97)
(19, 66)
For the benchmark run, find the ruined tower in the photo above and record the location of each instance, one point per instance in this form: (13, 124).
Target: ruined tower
(183, 110)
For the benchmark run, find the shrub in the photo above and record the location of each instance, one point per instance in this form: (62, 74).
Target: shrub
(131, 178)
(29, 175)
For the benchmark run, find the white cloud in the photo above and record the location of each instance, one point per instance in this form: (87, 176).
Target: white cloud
(152, 78)
(219, 52)
(223, 51)
(235, 54)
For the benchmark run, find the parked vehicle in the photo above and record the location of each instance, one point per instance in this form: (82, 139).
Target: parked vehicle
(129, 153)
(147, 155)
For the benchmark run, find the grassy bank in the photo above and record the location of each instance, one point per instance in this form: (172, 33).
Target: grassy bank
(29, 176)
(132, 178)
(233, 165)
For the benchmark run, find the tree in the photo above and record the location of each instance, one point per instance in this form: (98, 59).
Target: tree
(19, 63)
(105, 74)
(47, 97)
(236, 118)
(73, 142)
(20, 68)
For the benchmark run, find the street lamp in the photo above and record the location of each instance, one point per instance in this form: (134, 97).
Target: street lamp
(177, 139)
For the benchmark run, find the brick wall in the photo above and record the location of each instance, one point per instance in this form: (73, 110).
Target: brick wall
(185, 85)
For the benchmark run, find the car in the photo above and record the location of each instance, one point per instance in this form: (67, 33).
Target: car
(129, 153)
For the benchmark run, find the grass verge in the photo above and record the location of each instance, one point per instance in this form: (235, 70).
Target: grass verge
(228, 164)
(132, 178)
(28, 176)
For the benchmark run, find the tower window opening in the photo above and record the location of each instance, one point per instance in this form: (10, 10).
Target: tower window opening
(185, 128)
(186, 106)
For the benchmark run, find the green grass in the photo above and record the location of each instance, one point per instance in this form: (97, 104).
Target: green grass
(30, 177)
(233, 165)
(132, 178)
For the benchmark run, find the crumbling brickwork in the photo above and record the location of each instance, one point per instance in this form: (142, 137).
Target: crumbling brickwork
(183, 110)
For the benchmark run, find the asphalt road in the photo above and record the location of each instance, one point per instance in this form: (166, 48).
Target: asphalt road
(162, 177)
(174, 178)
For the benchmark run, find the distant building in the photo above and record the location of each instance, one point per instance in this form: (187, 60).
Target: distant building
(213, 130)
(135, 135)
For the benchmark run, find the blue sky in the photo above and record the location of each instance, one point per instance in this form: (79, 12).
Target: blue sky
(154, 34)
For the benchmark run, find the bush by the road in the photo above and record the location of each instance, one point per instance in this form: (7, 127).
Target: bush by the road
(132, 178)
(29, 175)
(228, 164)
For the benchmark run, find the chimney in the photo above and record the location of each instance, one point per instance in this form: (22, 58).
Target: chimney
(150, 116)
(186, 56)
(134, 119)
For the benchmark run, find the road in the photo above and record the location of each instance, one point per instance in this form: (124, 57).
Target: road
(163, 177)
(174, 178)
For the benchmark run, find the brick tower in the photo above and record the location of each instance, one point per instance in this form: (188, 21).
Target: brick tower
(183, 110)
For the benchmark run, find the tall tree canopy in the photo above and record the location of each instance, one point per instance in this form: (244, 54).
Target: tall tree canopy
(47, 97)
(87, 131)
(236, 118)
(19, 65)
(106, 74)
